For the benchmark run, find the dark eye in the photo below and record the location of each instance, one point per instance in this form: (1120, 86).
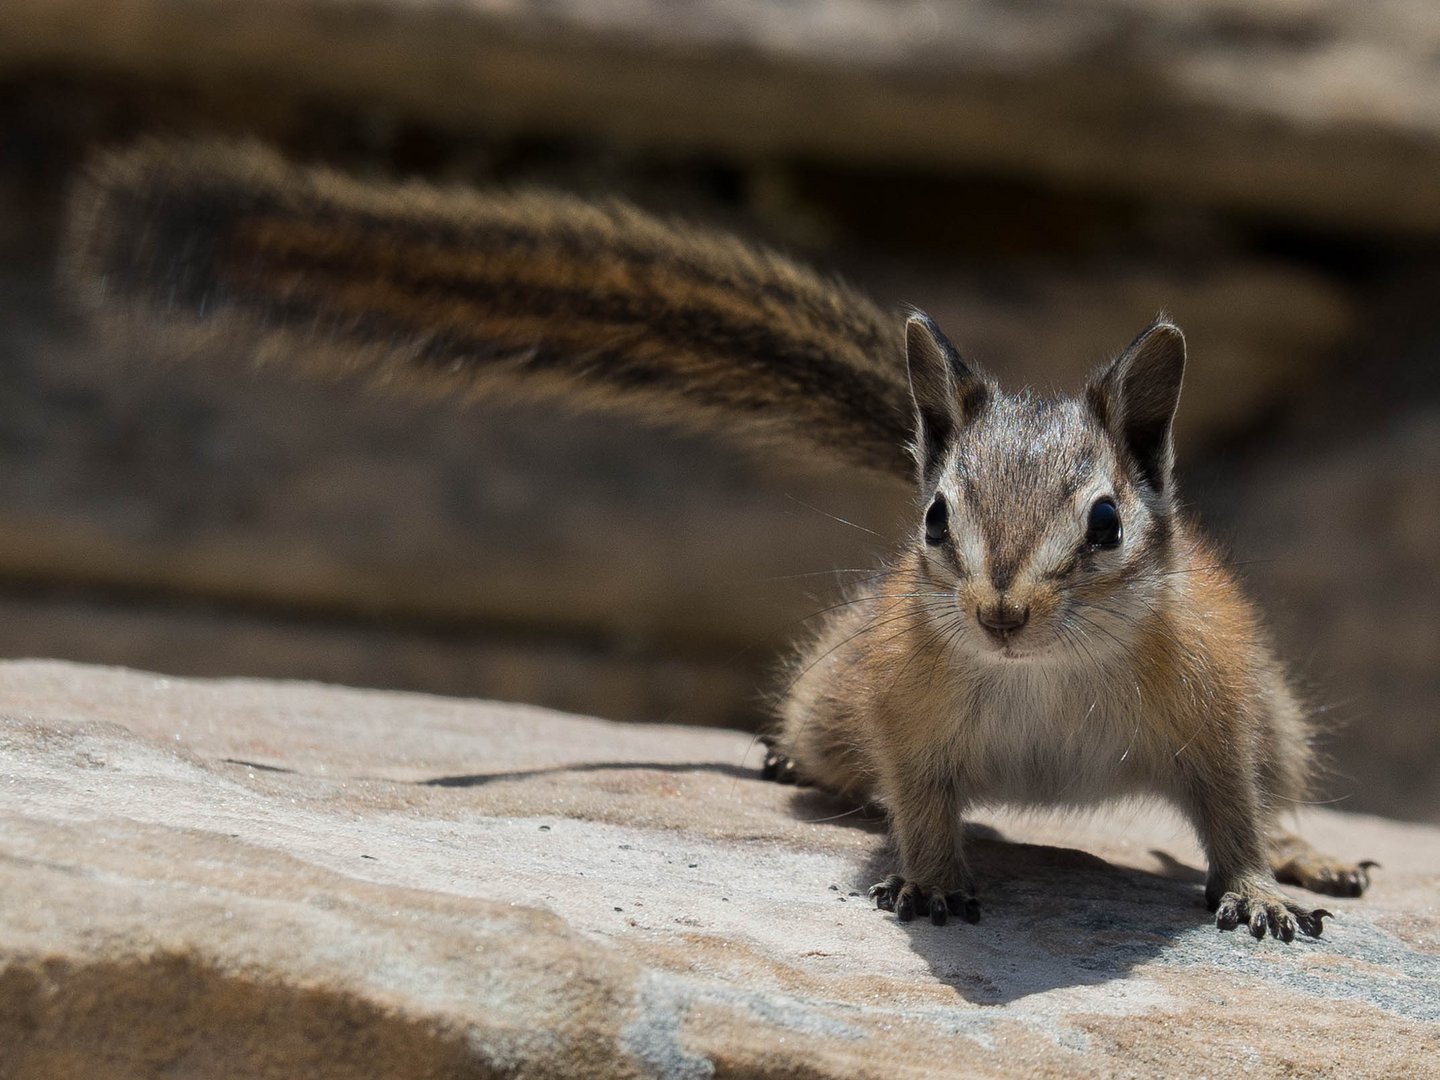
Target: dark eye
(937, 521)
(1103, 528)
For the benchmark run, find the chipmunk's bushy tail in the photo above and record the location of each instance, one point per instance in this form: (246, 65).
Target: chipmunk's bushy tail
(218, 248)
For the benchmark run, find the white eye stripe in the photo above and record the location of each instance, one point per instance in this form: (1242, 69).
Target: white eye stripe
(970, 548)
(966, 532)
(1057, 550)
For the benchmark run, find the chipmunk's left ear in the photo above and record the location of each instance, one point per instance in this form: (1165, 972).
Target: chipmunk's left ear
(947, 391)
(1136, 396)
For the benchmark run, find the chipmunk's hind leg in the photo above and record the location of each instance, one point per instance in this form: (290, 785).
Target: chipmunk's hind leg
(817, 749)
(1295, 862)
(1287, 765)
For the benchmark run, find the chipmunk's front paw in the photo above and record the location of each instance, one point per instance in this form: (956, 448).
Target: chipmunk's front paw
(905, 898)
(777, 765)
(1322, 874)
(1260, 907)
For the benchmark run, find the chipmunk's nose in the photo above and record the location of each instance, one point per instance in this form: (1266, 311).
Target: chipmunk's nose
(1002, 620)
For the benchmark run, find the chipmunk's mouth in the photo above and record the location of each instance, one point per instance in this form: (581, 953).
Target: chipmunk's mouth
(1011, 644)
(1032, 645)
(1013, 651)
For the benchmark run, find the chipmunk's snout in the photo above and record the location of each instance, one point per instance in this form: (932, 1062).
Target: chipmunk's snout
(1002, 620)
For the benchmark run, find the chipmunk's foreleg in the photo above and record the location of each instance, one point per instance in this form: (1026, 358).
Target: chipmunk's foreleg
(925, 819)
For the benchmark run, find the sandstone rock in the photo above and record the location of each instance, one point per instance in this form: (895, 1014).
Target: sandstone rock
(574, 675)
(267, 880)
(1306, 107)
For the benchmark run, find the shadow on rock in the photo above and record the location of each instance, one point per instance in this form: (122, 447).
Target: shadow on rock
(479, 779)
(813, 805)
(1050, 918)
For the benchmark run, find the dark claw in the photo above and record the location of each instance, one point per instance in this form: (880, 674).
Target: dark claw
(1282, 925)
(886, 892)
(771, 763)
(1257, 922)
(1360, 876)
(770, 770)
(907, 900)
(967, 907)
(1227, 915)
(905, 905)
(1312, 924)
(883, 895)
(778, 767)
(938, 910)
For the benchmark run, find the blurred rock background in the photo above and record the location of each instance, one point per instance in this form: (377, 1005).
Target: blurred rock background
(1041, 178)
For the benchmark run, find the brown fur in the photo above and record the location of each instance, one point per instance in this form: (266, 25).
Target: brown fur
(1008, 657)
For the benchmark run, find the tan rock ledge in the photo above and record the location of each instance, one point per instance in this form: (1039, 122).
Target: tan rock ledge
(261, 879)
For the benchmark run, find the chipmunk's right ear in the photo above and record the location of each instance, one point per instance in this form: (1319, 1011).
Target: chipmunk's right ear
(948, 393)
(1136, 396)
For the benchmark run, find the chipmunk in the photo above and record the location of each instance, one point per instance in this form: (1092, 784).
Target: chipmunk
(1054, 633)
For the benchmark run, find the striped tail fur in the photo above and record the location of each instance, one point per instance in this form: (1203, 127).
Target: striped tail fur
(203, 249)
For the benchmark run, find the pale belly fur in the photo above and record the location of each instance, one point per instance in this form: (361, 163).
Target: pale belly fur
(1026, 734)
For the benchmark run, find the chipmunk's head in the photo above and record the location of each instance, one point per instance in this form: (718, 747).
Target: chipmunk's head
(1048, 521)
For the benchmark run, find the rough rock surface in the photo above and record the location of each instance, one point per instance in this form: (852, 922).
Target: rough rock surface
(1311, 107)
(268, 879)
